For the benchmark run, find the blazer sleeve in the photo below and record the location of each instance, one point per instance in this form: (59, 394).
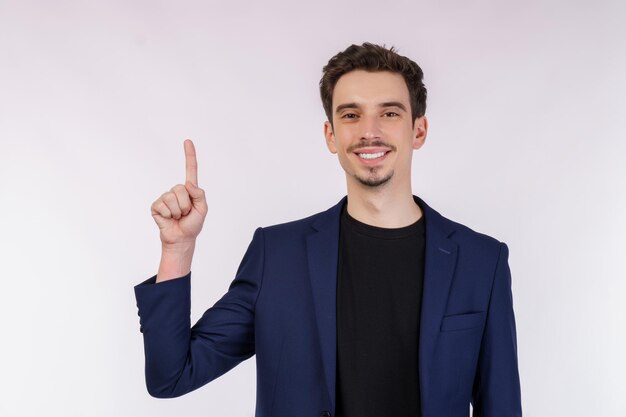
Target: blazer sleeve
(496, 390)
(180, 358)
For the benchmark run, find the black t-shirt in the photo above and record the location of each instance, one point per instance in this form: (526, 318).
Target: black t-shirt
(379, 294)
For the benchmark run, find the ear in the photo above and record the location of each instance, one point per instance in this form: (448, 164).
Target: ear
(420, 129)
(330, 137)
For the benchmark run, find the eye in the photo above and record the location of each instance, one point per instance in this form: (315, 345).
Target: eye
(391, 114)
(349, 116)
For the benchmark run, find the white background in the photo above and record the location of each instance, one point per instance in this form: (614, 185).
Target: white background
(526, 143)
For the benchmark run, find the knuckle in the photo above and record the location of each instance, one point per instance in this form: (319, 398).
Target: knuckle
(169, 197)
(165, 211)
(161, 207)
(177, 187)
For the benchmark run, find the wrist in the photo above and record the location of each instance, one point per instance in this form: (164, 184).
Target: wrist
(178, 249)
(175, 261)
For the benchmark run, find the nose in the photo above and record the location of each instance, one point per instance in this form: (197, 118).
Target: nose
(370, 128)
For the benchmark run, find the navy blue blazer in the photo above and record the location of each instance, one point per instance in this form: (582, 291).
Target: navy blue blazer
(281, 306)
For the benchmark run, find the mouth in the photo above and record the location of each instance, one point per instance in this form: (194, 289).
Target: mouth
(371, 156)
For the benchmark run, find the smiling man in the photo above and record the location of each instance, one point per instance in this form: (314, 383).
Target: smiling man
(378, 306)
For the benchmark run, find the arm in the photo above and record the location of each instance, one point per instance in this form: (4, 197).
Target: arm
(496, 391)
(180, 359)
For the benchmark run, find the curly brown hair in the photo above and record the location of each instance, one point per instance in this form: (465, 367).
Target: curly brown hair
(373, 58)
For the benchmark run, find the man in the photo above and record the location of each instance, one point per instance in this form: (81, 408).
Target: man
(377, 307)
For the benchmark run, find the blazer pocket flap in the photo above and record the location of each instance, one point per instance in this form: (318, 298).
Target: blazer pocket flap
(462, 321)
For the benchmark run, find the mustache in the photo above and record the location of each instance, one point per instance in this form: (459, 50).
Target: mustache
(376, 142)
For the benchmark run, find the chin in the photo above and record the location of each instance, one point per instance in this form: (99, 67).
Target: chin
(374, 181)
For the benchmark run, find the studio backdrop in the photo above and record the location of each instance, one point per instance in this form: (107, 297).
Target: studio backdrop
(526, 106)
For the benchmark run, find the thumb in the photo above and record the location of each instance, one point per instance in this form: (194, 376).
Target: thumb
(196, 193)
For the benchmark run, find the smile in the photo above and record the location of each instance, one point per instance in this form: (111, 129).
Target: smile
(371, 155)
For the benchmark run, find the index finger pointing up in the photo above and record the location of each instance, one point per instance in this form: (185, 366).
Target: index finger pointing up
(191, 164)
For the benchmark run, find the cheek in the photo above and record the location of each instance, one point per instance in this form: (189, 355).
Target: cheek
(343, 157)
(344, 161)
(340, 142)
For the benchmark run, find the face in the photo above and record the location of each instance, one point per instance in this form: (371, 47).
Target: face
(374, 135)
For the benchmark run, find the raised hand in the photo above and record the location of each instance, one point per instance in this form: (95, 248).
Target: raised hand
(180, 212)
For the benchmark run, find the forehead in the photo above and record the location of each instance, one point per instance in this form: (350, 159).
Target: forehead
(366, 87)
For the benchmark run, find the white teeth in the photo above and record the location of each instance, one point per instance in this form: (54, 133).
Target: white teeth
(371, 155)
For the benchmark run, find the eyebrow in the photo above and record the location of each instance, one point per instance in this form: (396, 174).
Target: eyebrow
(346, 106)
(393, 104)
(356, 106)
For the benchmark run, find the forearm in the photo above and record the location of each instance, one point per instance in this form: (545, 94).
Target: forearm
(164, 312)
(179, 358)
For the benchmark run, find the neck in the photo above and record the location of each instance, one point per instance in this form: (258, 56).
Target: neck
(382, 206)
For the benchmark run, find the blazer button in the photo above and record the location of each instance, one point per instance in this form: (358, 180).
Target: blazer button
(325, 414)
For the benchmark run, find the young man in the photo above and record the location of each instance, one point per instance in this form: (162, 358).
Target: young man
(377, 307)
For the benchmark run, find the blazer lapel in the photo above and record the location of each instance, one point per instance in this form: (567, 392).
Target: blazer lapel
(440, 261)
(323, 252)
